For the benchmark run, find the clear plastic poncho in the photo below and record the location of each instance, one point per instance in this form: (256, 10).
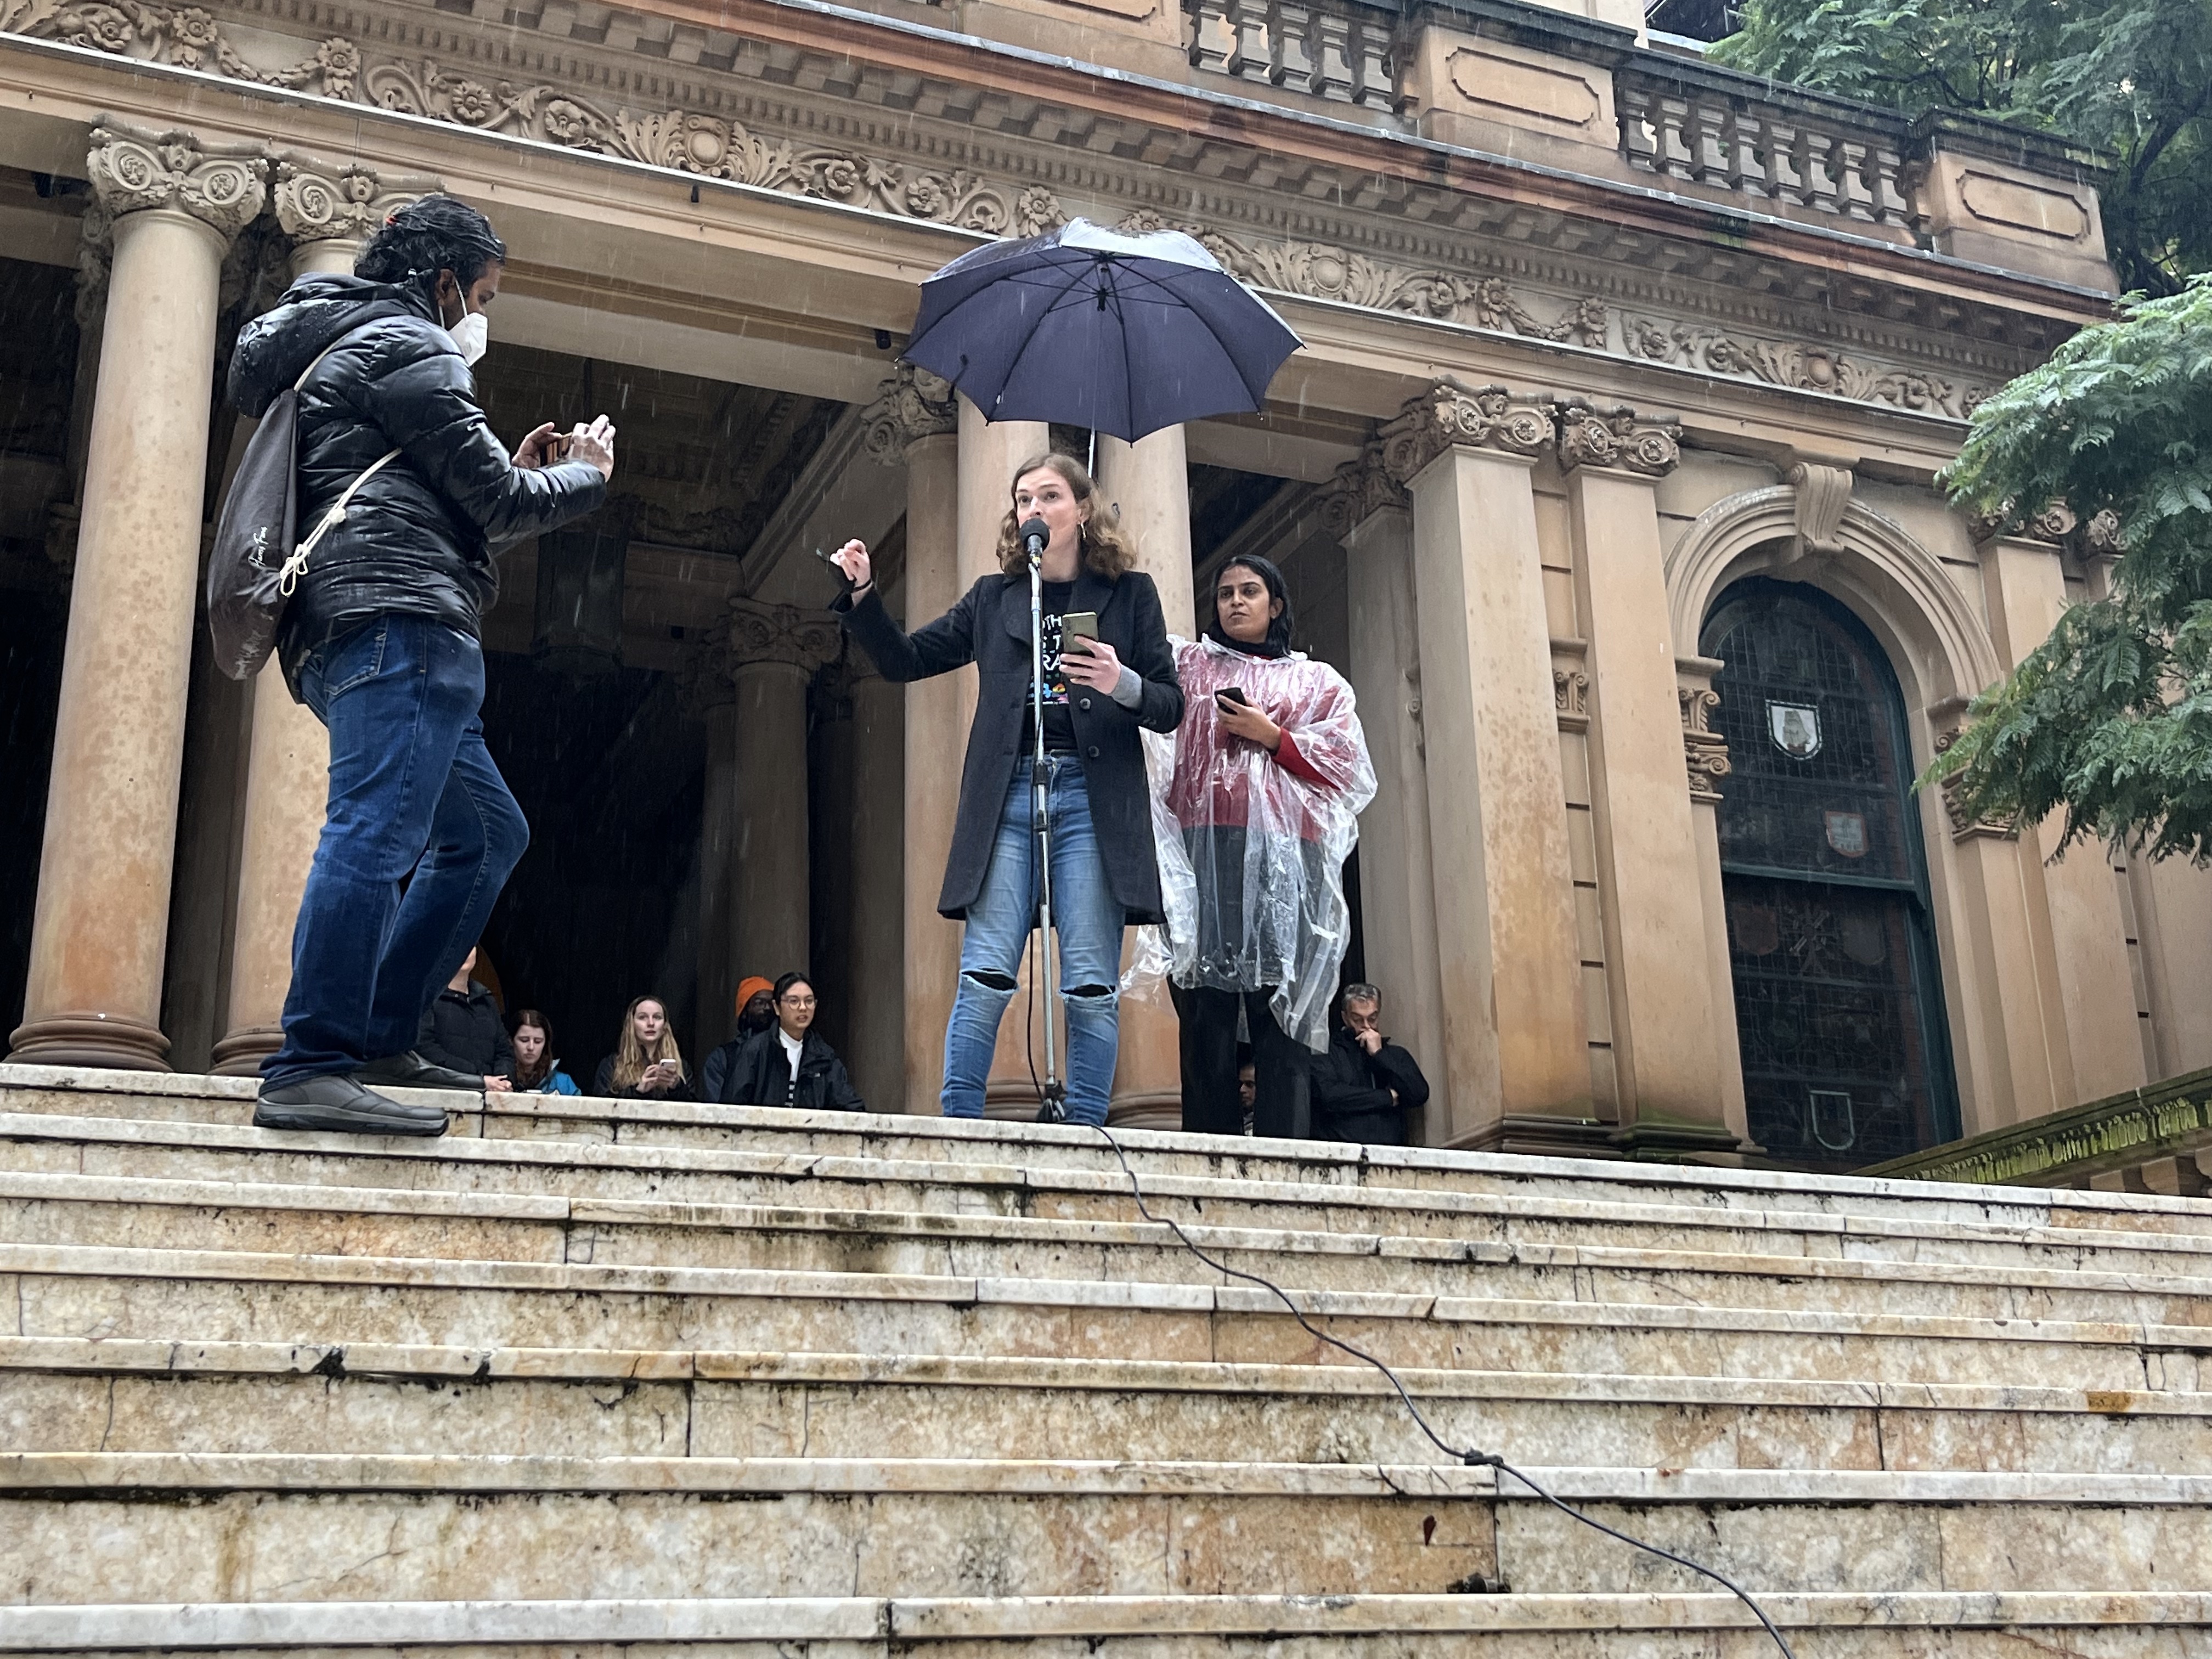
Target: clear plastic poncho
(1252, 845)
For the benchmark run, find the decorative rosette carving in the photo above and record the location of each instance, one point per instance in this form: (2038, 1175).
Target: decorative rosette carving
(1450, 415)
(913, 404)
(318, 202)
(222, 186)
(1360, 489)
(1589, 436)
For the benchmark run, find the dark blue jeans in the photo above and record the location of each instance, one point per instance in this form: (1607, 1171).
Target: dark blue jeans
(414, 798)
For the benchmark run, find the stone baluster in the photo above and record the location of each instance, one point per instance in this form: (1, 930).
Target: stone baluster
(326, 212)
(101, 922)
(1367, 511)
(915, 423)
(748, 678)
(1664, 1024)
(1515, 1050)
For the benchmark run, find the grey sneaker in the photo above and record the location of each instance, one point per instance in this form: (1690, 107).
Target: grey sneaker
(338, 1105)
(411, 1071)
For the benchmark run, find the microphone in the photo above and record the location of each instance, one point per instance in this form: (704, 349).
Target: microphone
(1035, 534)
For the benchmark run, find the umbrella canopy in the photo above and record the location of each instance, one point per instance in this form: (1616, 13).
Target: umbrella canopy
(1093, 328)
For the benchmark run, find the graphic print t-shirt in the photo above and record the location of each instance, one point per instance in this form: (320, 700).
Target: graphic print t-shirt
(1058, 724)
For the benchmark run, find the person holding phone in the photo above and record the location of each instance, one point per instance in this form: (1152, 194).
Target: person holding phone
(647, 1064)
(1109, 674)
(1271, 773)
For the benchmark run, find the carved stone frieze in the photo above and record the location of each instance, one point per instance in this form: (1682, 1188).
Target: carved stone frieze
(187, 36)
(1359, 489)
(1615, 438)
(1963, 825)
(222, 186)
(911, 406)
(316, 201)
(1797, 364)
(1449, 415)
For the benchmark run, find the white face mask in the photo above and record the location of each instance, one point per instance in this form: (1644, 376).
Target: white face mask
(471, 335)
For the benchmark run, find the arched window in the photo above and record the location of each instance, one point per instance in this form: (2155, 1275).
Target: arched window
(1845, 1058)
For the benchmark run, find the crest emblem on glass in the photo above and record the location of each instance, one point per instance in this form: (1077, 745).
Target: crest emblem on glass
(1795, 729)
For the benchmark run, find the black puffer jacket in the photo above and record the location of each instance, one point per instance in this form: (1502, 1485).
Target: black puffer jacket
(418, 537)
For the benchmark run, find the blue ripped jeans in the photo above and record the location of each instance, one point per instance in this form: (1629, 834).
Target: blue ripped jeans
(1087, 919)
(414, 797)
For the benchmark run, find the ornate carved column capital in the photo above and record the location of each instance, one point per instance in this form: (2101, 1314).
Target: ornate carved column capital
(223, 185)
(752, 635)
(1616, 437)
(1449, 415)
(911, 406)
(319, 201)
(1964, 826)
(1360, 489)
(1704, 751)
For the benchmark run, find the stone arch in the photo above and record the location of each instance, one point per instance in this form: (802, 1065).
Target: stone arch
(1897, 587)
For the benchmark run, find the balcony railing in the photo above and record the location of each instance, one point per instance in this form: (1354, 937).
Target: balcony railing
(1711, 127)
(1338, 50)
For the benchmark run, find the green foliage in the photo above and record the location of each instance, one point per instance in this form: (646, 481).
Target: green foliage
(2132, 78)
(2109, 718)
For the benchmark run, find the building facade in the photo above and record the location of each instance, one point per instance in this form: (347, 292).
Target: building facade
(1608, 474)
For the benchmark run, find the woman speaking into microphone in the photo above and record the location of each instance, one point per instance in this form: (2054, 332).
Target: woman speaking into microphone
(1109, 671)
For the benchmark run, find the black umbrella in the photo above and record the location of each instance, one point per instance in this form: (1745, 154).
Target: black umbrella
(1093, 328)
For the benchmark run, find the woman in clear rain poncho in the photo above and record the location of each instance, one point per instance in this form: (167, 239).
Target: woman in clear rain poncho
(1254, 823)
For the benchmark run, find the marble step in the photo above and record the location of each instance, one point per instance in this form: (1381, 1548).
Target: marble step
(162, 1149)
(154, 1214)
(1712, 1624)
(236, 1296)
(118, 1394)
(152, 1526)
(998, 1145)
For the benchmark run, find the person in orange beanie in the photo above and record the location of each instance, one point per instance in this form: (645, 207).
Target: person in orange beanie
(756, 1006)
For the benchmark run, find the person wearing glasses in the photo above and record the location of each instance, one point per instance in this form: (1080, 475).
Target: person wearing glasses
(789, 1064)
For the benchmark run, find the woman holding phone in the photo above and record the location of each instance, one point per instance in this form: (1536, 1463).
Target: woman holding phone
(647, 1064)
(1271, 773)
(1109, 673)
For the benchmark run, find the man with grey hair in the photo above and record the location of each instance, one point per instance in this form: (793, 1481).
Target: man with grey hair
(1364, 1085)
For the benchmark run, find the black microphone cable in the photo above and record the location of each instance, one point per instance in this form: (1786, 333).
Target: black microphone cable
(1470, 1456)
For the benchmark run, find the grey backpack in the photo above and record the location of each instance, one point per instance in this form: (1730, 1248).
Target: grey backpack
(257, 557)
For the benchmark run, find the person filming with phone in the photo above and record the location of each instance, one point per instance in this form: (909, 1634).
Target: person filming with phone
(1271, 773)
(1108, 673)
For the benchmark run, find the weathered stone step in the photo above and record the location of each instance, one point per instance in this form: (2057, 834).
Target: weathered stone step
(143, 1213)
(134, 1527)
(213, 1296)
(64, 1395)
(998, 1144)
(575, 1172)
(1970, 1626)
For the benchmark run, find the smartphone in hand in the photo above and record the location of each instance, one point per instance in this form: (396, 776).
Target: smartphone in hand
(1076, 625)
(1234, 694)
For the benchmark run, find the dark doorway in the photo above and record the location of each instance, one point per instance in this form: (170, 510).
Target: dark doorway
(1846, 1060)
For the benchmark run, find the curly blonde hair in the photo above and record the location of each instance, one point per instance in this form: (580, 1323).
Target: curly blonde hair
(1103, 546)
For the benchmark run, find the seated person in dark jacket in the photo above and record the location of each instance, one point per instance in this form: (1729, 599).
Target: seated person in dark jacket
(648, 1065)
(463, 1032)
(788, 1064)
(1364, 1085)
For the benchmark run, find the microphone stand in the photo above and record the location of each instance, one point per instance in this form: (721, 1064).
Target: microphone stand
(1052, 1106)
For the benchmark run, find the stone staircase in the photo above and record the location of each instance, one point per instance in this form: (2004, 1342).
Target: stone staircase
(591, 1374)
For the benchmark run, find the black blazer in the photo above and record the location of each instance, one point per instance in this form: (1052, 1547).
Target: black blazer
(990, 628)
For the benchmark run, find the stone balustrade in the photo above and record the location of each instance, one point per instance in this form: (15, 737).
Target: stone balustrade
(2157, 1139)
(1337, 50)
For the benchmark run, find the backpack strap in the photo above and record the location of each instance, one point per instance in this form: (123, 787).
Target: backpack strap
(288, 578)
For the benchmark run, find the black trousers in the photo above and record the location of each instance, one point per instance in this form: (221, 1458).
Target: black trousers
(1281, 1076)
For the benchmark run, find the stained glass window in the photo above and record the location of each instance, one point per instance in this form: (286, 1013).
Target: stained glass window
(1845, 1061)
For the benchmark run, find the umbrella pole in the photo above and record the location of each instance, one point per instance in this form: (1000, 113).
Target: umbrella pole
(1052, 1106)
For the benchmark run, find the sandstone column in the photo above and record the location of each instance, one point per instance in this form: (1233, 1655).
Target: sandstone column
(877, 1019)
(1368, 514)
(1515, 1056)
(1664, 1019)
(1148, 485)
(769, 654)
(99, 932)
(327, 212)
(914, 423)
